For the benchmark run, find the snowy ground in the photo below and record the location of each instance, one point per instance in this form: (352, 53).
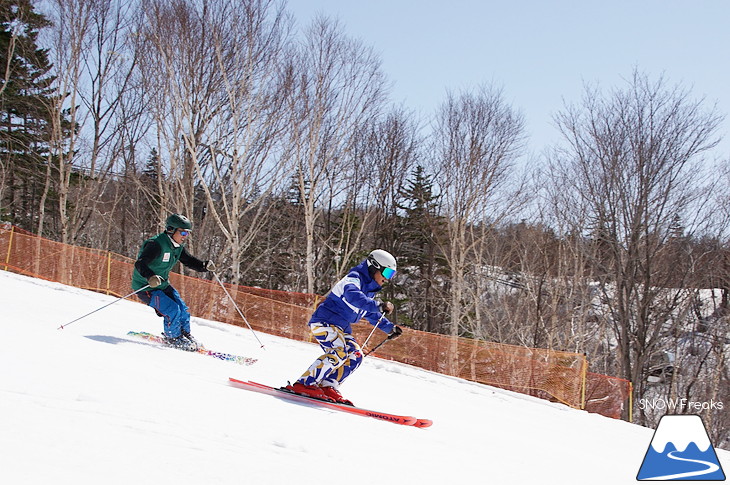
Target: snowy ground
(87, 404)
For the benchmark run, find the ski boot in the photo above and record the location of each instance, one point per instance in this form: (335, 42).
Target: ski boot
(309, 391)
(179, 342)
(335, 395)
(194, 344)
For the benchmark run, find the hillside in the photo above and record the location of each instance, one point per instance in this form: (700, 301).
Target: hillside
(87, 404)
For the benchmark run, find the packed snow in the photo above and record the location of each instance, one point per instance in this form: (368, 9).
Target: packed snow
(88, 404)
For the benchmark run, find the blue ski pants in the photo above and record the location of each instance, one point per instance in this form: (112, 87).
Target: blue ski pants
(169, 305)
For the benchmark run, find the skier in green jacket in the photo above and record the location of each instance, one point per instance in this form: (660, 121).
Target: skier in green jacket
(155, 260)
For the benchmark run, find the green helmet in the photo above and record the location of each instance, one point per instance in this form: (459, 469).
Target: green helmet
(177, 221)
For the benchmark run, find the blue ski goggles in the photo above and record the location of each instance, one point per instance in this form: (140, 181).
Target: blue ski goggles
(387, 273)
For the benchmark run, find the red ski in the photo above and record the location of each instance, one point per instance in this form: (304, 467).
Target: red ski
(272, 391)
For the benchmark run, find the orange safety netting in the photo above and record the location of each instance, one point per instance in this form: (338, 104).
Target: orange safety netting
(608, 396)
(554, 375)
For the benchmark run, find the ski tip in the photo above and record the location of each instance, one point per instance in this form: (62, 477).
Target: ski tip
(423, 423)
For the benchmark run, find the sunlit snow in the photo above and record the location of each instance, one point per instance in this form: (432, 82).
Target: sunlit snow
(88, 404)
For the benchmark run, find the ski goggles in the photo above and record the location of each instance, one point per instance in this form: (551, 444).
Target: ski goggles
(387, 273)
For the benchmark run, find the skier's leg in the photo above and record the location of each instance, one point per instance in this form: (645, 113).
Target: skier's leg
(353, 360)
(184, 312)
(333, 342)
(169, 309)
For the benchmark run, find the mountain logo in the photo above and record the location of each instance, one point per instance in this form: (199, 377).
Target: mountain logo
(680, 450)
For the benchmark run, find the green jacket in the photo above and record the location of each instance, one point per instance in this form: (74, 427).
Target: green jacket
(157, 256)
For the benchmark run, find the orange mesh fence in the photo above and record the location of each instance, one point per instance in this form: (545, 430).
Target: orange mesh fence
(532, 371)
(609, 396)
(554, 375)
(207, 299)
(86, 268)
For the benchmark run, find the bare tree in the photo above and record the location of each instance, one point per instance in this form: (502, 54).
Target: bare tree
(632, 167)
(71, 20)
(178, 63)
(338, 88)
(136, 195)
(93, 64)
(247, 161)
(12, 21)
(7, 20)
(382, 155)
(218, 103)
(477, 138)
(392, 152)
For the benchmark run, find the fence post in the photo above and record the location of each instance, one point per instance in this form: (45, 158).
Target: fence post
(10, 245)
(584, 372)
(317, 301)
(108, 271)
(631, 402)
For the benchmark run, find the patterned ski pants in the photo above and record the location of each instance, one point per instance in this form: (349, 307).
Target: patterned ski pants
(342, 355)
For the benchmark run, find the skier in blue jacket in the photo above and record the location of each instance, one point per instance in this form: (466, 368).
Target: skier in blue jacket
(350, 300)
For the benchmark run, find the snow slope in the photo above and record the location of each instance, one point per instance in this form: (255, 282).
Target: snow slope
(87, 404)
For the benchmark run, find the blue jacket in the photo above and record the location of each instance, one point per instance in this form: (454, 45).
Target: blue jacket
(350, 300)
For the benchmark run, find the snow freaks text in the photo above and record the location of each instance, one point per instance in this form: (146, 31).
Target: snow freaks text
(679, 405)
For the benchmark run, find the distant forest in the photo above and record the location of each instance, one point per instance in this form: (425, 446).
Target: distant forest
(282, 145)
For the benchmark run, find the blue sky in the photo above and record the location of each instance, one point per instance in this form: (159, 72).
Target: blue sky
(540, 52)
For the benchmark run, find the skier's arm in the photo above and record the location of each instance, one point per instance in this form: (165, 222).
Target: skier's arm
(355, 297)
(149, 252)
(192, 262)
(379, 320)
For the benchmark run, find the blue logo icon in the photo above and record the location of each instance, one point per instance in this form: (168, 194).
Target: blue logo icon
(680, 450)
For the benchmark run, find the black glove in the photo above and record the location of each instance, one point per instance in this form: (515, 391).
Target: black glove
(209, 266)
(154, 281)
(397, 332)
(386, 307)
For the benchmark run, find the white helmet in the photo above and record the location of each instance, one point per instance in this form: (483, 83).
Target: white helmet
(382, 261)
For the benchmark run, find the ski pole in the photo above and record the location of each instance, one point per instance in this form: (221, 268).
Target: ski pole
(377, 346)
(389, 337)
(373, 330)
(238, 309)
(101, 308)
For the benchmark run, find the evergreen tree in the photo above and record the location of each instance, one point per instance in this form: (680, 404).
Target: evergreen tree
(150, 175)
(25, 94)
(420, 205)
(419, 256)
(294, 194)
(150, 180)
